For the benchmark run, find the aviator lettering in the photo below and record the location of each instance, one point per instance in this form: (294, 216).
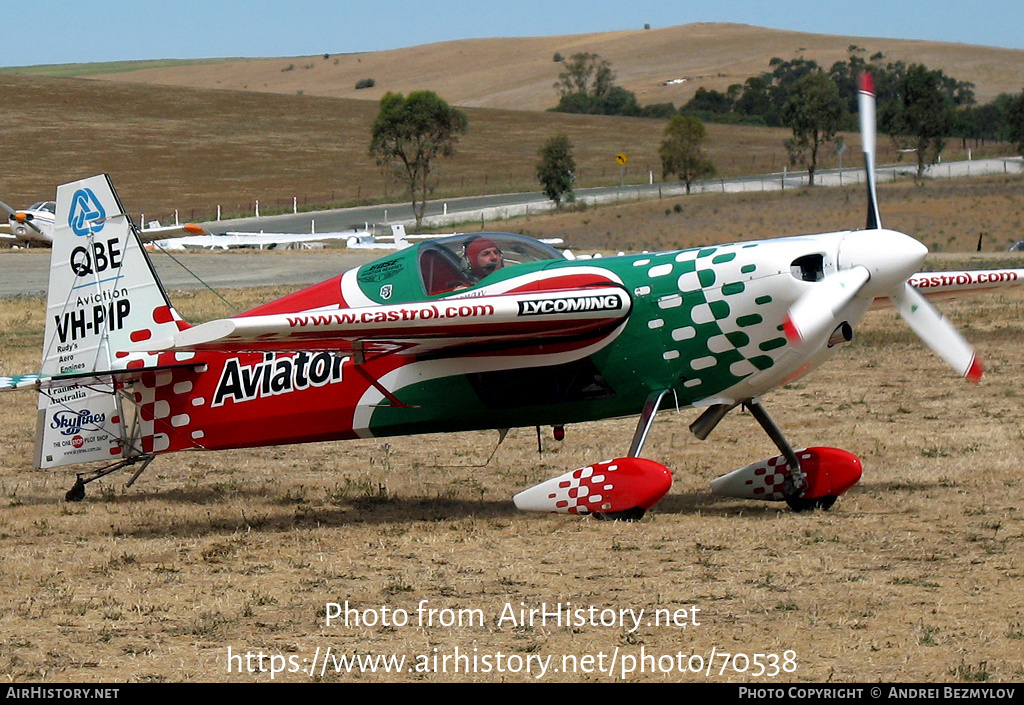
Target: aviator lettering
(276, 375)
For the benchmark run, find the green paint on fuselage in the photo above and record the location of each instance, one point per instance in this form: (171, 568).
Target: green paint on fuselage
(702, 321)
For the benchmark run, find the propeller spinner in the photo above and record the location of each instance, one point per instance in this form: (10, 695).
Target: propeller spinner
(20, 217)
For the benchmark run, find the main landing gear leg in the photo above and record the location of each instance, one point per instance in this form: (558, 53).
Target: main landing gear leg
(643, 426)
(796, 483)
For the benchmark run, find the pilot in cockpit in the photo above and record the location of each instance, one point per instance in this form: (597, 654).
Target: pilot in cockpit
(483, 256)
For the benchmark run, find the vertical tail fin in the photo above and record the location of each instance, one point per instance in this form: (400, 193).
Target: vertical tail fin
(401, 239)
(104, 295)
(104, 299)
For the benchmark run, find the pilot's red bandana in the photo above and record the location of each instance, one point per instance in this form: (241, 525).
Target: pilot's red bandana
(477, 246)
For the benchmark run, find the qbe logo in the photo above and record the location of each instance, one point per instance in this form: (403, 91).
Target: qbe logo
(87, 214)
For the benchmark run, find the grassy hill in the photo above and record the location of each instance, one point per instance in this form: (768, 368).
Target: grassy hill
(519, 73)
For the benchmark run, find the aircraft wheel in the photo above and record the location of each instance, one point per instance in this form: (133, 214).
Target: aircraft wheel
(634, 514)
(803, 504)
(76, 493)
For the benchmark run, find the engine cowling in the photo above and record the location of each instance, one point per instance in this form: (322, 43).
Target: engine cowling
(830, 472)
(608, 487)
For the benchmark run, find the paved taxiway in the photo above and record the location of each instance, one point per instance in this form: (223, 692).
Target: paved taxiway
(26, 271)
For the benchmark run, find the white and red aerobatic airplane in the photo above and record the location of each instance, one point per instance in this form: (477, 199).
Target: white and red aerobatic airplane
(427, 340)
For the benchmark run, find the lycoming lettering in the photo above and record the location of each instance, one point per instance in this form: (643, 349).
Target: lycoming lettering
(570, 305)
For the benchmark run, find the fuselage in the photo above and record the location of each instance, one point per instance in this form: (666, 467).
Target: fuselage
(705, 323)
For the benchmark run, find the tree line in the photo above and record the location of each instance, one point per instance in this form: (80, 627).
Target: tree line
(587, 86)
(918, 107)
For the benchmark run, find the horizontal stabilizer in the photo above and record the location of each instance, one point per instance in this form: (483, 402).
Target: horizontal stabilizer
(41, 382)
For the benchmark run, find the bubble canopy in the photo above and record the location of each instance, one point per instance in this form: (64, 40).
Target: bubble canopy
(445, 265)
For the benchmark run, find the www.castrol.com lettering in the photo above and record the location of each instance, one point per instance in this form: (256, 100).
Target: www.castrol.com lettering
(276, 374)
(607, 302)
(929, 281)
(391, 315)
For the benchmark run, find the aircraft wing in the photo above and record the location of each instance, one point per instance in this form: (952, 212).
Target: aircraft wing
(951, 285)
(445, 327)
(164, 232)
(224, 241)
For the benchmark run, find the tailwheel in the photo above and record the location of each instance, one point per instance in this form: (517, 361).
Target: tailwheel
(633, 514)
(77, 492)
(809, 504)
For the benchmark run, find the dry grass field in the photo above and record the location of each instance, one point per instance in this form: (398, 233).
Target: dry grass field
(914, 576)
(947, 216)
(188, 149)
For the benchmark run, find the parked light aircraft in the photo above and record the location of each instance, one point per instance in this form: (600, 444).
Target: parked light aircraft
(354, 240)
(444, 336)
(35, 226)
(258, 241)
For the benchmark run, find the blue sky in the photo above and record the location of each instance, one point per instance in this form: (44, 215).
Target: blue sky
(65, 31)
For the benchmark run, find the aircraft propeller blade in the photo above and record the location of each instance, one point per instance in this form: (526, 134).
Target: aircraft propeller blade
(25, 221)
(7, 208)
(937, 332)
(866, 105)
(815, 312)
(923, 318)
